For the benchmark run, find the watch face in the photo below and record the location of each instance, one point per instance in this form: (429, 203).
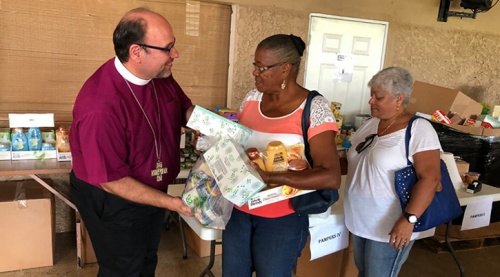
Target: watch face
(410, 217)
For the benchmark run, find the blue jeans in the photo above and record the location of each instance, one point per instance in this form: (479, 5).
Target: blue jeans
(378, 259)
(270, 246)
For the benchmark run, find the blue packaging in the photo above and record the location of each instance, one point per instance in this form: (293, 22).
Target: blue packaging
(19, 140)
(34, 139)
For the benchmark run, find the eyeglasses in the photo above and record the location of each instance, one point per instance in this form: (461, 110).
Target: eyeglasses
(365, 144)
(163, 49)
(264, 68)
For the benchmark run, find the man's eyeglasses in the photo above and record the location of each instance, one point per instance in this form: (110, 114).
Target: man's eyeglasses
(264, 68)
(163, 49)
(365, 144)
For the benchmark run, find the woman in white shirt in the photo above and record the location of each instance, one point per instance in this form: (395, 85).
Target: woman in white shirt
(382, 231)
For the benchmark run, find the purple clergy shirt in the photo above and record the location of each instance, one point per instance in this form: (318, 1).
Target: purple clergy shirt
(110, 137)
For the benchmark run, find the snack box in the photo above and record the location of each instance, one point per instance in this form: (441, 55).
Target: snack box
(273, 195)
(296, 162)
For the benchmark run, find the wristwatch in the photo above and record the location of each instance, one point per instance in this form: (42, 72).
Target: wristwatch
(410, 217)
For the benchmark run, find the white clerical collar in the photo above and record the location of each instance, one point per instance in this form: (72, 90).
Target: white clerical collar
(128, 75)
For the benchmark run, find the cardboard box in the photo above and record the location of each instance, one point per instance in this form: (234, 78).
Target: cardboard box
(230, 166)
(5, 155)
(26, 121)
(338, 264)
(462, 166)
(427, 98)
(329, 265)
(348, 266)
(26, 227)
(88, 254)
(33, 155)
(63, 156)
(491, 132)
(467, 129)
(199, 246)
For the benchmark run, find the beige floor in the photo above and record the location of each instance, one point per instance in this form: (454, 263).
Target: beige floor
(422, 261)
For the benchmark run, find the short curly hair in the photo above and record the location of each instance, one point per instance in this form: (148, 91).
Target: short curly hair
(394, 80)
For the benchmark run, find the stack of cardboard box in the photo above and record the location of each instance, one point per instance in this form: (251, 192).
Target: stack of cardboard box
(427, 99)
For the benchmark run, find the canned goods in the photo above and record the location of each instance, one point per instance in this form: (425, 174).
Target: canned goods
(209, 211)
(339, 119)
(192, 199)
(208, 188)
(441, 117)
(336, 106)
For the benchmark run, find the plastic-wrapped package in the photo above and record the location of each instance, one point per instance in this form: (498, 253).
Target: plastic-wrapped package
(491, 172)
(482, 153)
(469, 147)
(204, 198)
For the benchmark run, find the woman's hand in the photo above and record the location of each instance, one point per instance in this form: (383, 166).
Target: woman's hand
(263, 174)
(400, 234)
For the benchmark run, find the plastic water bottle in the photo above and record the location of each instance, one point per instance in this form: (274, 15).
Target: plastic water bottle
(34, 139)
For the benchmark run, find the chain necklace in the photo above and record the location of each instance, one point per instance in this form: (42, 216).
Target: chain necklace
(159, 170)
(394, 121)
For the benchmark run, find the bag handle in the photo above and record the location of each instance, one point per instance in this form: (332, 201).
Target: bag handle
(305, 123)
(408, 136)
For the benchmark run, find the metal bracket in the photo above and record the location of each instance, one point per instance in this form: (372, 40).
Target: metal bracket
(462, 14)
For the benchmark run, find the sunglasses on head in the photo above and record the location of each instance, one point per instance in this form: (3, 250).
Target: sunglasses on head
(365, 144)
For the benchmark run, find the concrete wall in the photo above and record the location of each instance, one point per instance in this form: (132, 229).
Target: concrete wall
(459, 54)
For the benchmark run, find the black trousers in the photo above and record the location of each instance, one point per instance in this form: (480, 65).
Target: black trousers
(125, 235)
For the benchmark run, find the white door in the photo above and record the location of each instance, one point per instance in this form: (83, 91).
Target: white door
(343, 54)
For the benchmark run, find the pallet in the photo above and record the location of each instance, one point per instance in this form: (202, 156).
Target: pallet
(438, 243)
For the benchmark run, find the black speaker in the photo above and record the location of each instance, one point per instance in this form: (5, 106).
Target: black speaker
(478, 5)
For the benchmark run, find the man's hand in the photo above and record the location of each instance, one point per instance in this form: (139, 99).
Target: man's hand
(178, 206)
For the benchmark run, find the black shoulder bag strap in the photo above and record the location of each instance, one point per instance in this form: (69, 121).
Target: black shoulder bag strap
(320, 200)
(305, 123)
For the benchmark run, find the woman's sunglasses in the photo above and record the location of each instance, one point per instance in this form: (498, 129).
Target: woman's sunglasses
(365, 144)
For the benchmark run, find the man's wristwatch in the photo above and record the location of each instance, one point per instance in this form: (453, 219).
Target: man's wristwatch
(410, 217)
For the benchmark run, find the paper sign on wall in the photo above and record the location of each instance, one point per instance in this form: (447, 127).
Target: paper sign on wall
(477, 214)
(328, 238)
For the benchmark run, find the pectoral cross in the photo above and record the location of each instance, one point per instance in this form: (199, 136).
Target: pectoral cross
(160, 170)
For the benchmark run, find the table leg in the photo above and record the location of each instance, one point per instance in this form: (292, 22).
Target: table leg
(79, 261)
(452, 251)
(208, 269)
(183, 238)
